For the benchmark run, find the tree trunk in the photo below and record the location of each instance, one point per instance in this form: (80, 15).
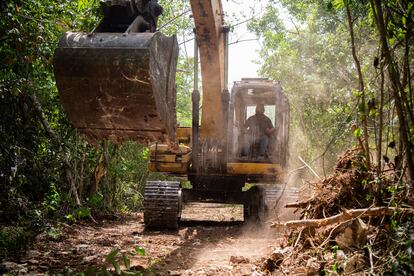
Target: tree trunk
(106, 177)
(361, 83)
(396, 87)
(99, 172)
(67, 166)
(379, 139)
(82, 169)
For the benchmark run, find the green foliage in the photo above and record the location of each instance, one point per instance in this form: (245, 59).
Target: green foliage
(32, 171)
(118, 259)
(54, 232)
(30, 164)
(12, 239)
(358, 132)
(311, 60)
(404, 235)
(186, 184)
(116, 262)
(52, 199)
(123, 185)
(176, 18)
(96, 201)
(83, 212)
(70, 218)
(139, 250)
(184, 81)
(336, 268)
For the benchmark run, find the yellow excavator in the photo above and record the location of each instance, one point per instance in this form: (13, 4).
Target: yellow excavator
(118, 83)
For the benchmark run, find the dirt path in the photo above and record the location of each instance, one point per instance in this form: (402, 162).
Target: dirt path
(211, 240)
(221, 246)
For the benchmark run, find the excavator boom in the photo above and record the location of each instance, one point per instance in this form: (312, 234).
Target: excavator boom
(210, 33)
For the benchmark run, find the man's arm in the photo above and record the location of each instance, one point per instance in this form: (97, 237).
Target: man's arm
(248, 123)
(269, 127)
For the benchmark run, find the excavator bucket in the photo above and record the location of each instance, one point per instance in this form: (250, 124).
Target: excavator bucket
(118, 86)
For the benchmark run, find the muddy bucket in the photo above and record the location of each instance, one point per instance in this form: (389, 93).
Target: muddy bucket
(118, 86)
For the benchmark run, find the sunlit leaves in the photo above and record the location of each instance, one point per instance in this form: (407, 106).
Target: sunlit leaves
(83, 4)
(358, 132)
(176, 18)
(140, 250)
(184, 81)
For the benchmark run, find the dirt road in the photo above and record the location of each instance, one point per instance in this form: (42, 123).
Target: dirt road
(211, 240)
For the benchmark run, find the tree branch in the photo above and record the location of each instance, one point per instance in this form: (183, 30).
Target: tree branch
(361, 82)
(345, 215)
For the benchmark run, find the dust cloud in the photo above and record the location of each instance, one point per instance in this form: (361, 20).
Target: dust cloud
(241, 248)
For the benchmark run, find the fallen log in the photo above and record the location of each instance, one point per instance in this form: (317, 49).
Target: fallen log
(345, 215)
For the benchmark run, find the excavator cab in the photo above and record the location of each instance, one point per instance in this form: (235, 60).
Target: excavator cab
(246, 95)
(118, 81)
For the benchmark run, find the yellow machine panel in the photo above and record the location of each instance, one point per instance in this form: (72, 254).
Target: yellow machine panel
(184, 135)
(255, 169)
(163, 159)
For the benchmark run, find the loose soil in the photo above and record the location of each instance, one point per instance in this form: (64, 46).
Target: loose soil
(211, 240)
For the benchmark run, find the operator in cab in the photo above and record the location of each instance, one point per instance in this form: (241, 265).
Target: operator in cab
(259, 128)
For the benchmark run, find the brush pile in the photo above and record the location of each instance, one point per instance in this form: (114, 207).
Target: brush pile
(356, 221)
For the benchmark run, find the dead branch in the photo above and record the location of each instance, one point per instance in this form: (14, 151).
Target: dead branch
(299, 204)
(345, 215)
(309, 167)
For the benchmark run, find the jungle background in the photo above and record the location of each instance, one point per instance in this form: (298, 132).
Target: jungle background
(346, 66)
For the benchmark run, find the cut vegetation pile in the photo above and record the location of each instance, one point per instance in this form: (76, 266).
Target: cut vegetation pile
(356, 221)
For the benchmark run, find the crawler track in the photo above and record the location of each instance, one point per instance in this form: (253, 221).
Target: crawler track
(162, 204)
